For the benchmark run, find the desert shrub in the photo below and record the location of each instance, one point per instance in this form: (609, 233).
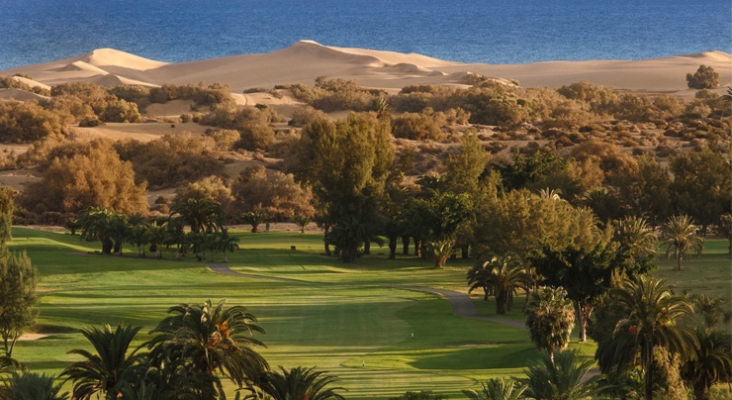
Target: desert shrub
(137, 94)
(419, 126)
(635, 108)
(90, 122)
(277, 194)
(669, 106)
(342, 94)
(202, 95)
(410, 102)
(253, 124)
(600, 100)
(304, 93)
(605, 154)
(10, 82)
(704, 78)
(224, 138)
(28, 122)
(171, 160)
(94, 176)
(93, 95)
(69, 105)
(303, 116)
(120, 111)
(211, 187)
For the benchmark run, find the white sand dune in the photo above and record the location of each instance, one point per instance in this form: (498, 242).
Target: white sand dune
(20, 95)
(31, 82)
(305, 60)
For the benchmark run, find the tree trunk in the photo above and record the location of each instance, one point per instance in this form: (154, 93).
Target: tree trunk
(701, 392)
(649, 369)
(440, 260)
(501, 297)
(678, 262)
(485, 293)
(578, 307)
(392, 247)
(509, 302)
(326, 228)
(367, 247)
(464, 250)
(418, 247)
(406, 240)
(254, 228)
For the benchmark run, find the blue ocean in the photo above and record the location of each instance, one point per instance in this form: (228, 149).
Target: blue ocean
(487, 31)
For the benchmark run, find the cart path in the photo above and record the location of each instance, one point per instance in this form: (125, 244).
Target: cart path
(462, 305)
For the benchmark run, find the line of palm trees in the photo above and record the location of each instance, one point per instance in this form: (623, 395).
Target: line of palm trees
(207, 233)
(189, 355)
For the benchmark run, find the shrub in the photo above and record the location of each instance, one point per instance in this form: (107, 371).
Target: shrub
(303, 116)
(28, 122)
(425, 125)
(704, 78)
(120, 111)
(224, 138)
(276, 194)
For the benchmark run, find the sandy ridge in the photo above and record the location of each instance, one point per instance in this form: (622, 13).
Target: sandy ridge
(305, 60)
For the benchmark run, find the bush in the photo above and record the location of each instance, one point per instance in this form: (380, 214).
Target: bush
(120, 111)
(28, 122)
(303, 116)
(224, 138)
(425, 125)
(704, 78)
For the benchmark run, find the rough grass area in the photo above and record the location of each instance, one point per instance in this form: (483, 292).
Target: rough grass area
(349, 319)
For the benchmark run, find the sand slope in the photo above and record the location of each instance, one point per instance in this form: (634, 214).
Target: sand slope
(305, 60)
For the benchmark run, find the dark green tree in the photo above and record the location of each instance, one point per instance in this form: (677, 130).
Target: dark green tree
(649, 317)
(559, 377)
(205, 341)
(18, 281)
(701, 186)
(550, 319)
(298, 384)
(679, 235)
(704, 78)
(202, 215)
(104, 372)
(31, 386)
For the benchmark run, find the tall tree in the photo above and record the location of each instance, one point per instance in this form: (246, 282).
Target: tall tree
(7, 207)
(550, 319)
(679, 235)
(110, 366)
(650, 318)
(208, 339)
(347, 164)
(702, 184)
(584, 274)
(440, 217)
(645, 193)
(18, 287)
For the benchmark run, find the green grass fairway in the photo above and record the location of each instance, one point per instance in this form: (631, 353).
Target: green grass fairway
(337, 317)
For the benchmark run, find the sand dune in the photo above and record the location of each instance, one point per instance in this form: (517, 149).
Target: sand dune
(305, 60)
(20, 95)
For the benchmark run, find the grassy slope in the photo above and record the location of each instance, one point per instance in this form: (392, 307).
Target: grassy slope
(346, 315)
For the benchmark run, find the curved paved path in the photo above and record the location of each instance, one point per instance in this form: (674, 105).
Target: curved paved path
(462, 305)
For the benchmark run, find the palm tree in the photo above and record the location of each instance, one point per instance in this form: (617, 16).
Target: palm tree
(9, 365)
(712, 359)
(227, 244)
(497, 389)
(559, 377)
(651, 313)
(679, 236)
(550, 318)
(724, 229)
(255, 218)
(31, 386)
(479, 277)
(208, 339)
(635, 237)
(503, 275)
(711, 362)
(299, 384)
(201, 214)
(302, 221)
(157, 235)
(104, 372)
